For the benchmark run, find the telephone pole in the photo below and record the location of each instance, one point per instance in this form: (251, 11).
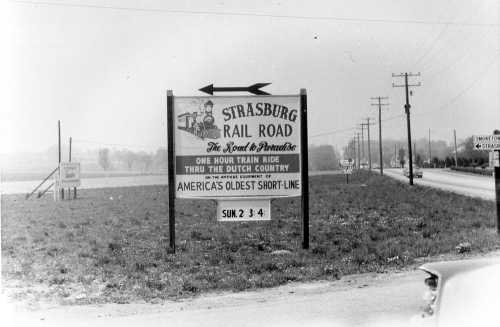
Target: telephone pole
(455, 137)
(380, 104)
(355, 150)
(369, 149)
(407, 111)
(359, 154)
(430, 157)
(367, 124)
(362, 141)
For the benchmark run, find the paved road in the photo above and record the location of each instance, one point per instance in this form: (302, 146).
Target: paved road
(362, 300)
(88, 183)
(462, 183)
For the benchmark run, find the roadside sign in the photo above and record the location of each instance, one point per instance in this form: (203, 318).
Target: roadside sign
(237, 146)
(494, 157)
(347, 165)
(486, 142)
(69, 174)
(240, 150)
(347, 162)
(243, 210)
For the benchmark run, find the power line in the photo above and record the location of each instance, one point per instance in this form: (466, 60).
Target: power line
(450, 64)
(462, 92)
(333, 132)
(248, 14)
(353, 128)
(431, 46)
(434, 42)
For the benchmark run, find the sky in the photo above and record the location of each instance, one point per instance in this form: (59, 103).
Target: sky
(103, 67)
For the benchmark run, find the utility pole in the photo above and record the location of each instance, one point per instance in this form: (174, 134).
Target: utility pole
(359, 154)
(380, 104)
(407, 111)
(496, 173)
(430, 157)
(353, 148)
(352, 152)
(369, 149)
(362, 141)
(455, 137)
(356, 145)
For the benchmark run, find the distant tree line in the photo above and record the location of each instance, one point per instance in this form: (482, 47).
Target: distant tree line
(133, 161)
(323, 157)
(441, 155)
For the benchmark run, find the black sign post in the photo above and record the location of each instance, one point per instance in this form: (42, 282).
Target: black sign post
(171, 169)
(304, 169)
(496, 173)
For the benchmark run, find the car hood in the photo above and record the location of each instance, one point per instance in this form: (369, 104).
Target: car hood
(447, 269)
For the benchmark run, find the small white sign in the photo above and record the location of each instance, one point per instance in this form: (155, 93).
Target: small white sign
(486, 142)
(347, 165)
(494, 159)
(69, 174)
(243, 210)
(347, 162)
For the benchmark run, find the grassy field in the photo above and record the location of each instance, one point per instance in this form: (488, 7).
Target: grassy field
(111, 245)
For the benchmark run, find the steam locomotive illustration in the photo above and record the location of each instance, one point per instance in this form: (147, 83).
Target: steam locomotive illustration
(200, 123)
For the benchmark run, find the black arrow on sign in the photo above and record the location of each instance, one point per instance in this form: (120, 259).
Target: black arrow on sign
(255, 89)
(478, 146)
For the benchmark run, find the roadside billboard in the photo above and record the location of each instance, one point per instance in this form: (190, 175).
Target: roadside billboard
(229, 147)
(69, 174)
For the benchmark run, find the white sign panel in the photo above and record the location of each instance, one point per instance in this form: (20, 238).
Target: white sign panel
(486, 142)
(243, 210)
(69, 174)
(494, 159)
(237, 146)
(347, 165)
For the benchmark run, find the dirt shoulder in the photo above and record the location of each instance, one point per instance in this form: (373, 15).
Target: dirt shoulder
(225, 300)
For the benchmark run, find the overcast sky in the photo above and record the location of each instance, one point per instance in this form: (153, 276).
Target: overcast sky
(104, 71)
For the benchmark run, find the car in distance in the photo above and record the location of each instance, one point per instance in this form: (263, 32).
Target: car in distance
(461, 293)
(417, 171)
